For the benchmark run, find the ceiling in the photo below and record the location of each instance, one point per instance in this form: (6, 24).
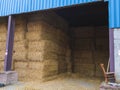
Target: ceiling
(91, 14)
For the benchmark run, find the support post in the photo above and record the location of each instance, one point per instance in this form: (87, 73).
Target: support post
(9, 44)
(111, 49)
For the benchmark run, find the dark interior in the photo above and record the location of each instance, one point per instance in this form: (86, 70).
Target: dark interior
(90, 14)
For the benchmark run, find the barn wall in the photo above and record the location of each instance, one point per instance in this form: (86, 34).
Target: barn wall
(91, 47)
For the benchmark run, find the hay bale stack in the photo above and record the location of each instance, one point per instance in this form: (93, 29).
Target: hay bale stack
(20, 42)
(42, 70)
(90, 49)
(3, 35)
(1, 65)
(46, 49)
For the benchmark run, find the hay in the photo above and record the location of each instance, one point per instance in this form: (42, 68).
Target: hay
(19, 36)
(3, 28)
(22, 74)
(1, 65)
(43, 45)
(20, 65)
(33, 36)
(20, 55)
(2, 55)
(3, 37)
(20, 45)
(44, 66)
(20, 27)
(35, 26)
(85, 69)
(41, 56)
(2, 46)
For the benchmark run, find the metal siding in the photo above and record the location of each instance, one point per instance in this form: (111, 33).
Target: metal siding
(114, 13)
(8, 7)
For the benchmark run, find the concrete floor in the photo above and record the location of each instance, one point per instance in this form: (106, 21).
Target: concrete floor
(61, 83)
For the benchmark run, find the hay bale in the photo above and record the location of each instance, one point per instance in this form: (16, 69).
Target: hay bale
(41, 56)
(22, 74)
(20, 55)
(3, 37)
(19, 36)
(85, 69)
(20, 45)
(44, 66)
(1, 65)
(43, 45)
(20, 65)
(3, 27)
(20, 27)
(84, 54)
(35, 26)
(33, 36)
(83, 44)
(41, 35)
(2, 55)
(2, 46)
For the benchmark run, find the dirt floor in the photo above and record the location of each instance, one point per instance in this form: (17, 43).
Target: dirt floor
(63, 82)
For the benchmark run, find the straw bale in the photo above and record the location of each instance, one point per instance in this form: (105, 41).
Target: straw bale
(2, 55)
(41, 56)
(20, 19)
(2, 46)
(35, 26)
(45, 65)
(20, 27)
(1, 65)
(43, 45)
(102, 44)
(20, 65)
(85, 69)
(33, 36)
(19, 36)
(3, 36)
(20, 55)
(83, 32)
(86, 54)
(41, 35)
(68, 52)
(22, 74)
(98, 54)
(50, 18)
(83, 60)
(83, 44)
(3, 27)
(20, 45)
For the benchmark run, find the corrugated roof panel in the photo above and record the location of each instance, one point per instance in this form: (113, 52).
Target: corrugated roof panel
(8, 7)
(114, 13)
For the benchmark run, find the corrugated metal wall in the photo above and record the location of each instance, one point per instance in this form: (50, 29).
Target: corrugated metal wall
(114, 13)
(8, 7)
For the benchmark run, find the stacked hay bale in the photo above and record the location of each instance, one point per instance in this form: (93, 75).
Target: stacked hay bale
(3, 35)
(83, 51)
(20, 47)
(46, 48)
(101, 53)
